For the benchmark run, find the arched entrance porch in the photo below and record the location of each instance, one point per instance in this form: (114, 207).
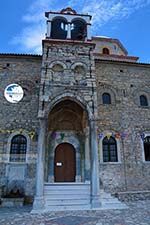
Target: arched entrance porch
(68, 123)
(67, 120)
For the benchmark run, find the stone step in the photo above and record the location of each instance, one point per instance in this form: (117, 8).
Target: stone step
(67, 208)
(67, 186)
(63, 197)
(108, 201)
(67, 189)
(66, 192)
(107, 195)
(69, 202)
(75, 196)
(119, 205)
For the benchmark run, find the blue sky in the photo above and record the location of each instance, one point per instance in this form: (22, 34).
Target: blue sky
(23, 23)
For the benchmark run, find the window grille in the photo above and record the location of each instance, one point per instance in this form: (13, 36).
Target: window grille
(18, 149)
(110, 150)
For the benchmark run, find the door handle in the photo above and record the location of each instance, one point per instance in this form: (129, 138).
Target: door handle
(59, 164)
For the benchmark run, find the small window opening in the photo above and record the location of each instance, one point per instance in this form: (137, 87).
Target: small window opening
(147, 148)
(143, 100)
(110, 150)
(106, 51)
(18, 149)
(106, 98)
(58, 68)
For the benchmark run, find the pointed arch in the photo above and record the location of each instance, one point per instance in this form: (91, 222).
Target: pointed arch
(73, 97)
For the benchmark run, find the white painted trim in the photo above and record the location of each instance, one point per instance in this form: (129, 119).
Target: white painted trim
(70, 17)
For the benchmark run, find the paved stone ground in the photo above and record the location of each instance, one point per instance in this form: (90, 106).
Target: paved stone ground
(138, 213)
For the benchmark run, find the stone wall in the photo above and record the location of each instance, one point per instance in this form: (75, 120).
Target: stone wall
(125, 82)
(76, 78)
(133, 195)
(19, 118)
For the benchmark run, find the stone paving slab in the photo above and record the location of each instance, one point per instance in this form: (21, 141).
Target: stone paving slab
(137, 213)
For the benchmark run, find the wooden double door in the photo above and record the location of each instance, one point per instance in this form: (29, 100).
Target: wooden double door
(65, 163)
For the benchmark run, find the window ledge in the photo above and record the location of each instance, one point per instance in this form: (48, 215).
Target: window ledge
(110, 163)
(21, 163)
(146, 162)
(144, 107)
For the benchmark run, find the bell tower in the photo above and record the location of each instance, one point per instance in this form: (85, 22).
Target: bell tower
(68, 101)
(68, 62)
(67, 24)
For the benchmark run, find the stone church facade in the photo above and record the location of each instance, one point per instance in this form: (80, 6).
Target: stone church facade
(83, 124)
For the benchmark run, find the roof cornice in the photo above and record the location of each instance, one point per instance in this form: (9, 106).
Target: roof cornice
(124, 62)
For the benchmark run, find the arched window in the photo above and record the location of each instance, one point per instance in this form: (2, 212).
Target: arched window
(143, 100)
(59, 28)
(147, 148)
(79, 70)
(106, 98)
(110, 150)
(58, 68)
(18, 148)
(78, 30)
(106, 51)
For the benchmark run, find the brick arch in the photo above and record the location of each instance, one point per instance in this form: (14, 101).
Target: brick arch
(57, 62)
(60, 17)
(78, 19)
(73, 66)
(107, 89)
(138, 92)
(73, 97)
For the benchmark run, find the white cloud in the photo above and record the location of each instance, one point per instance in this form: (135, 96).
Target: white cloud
(30, 39)
(102, 11)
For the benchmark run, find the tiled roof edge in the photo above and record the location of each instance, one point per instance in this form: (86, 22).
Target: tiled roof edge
(20, 54)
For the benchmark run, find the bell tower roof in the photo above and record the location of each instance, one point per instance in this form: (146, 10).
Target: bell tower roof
(68, 10)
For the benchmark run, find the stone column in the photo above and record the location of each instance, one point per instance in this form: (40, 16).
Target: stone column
(95, 192)
(87, 154)
(39, 197)
(88, 32)
(49, 25)
(69, 31)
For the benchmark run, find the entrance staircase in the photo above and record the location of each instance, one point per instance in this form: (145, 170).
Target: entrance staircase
(76, 196)
(67, 196)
